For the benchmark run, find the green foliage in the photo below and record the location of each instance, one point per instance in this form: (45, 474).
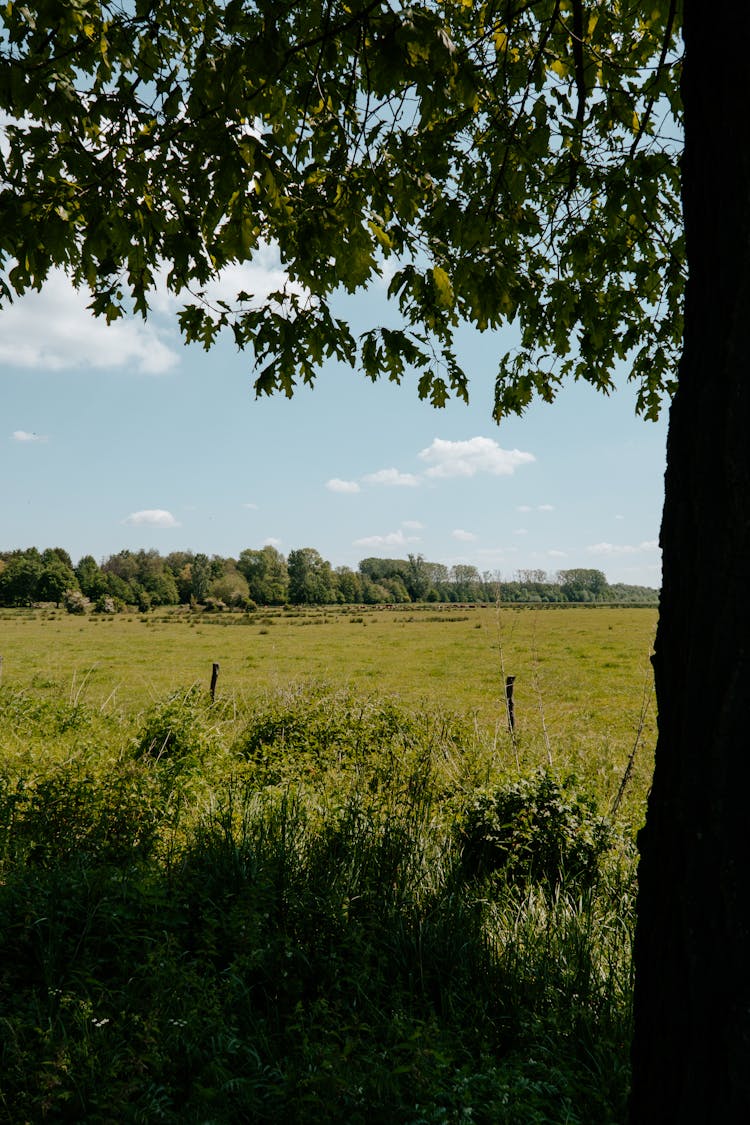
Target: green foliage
(311, 579)
(19, 579)
(56, 580)
(75, 602)
(67, 817)
(517, 164)
(582, 585)
(108, 605)
(90, 578)
(535, 829)
(298, 950)
(328, 727)
(179, 728)
(266, 574)
(231, 589)
(146, 580)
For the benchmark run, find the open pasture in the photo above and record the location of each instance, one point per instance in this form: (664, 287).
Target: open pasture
(358, 901)
(582, 674)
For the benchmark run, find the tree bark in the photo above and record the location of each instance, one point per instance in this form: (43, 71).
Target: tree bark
(691, 1050)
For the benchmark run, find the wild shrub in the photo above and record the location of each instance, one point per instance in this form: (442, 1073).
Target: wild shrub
(179, 728)
(27, 713)
(236, 942)
(317, 722)
(536, 829)
(109, 605)
(50, 820)
(75, 602)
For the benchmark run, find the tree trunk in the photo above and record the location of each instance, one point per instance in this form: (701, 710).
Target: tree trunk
(691, 1051)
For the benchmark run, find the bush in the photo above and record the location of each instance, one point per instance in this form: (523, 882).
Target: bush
(319, 723)
(108, 604)
(74, 601)
(79, 818)
(214, 605)
(535, 830)
(192, 940)
(177, 728)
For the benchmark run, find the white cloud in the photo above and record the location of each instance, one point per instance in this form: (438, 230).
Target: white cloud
(151, 517)
(463, 536)
(521, 531)
(251, 507)
(545, 507)
(53, 329)
(623, 548)
(523, 508)
(271, 541)
(25, 436)
(259, 278)
(392, 478)
(497, 554)
(392, 539)
(557, 554)
(467, 458)
(345, 486)
(413, 525)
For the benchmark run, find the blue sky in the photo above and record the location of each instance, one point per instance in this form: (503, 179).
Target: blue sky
(124, 437)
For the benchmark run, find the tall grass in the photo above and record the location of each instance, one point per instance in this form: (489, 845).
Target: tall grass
(220, 913)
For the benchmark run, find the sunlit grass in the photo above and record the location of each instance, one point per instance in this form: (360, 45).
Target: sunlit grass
(308, 905)
(582, 674)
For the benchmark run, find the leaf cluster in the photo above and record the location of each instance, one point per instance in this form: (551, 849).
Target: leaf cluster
(501, 163)
(536, 829)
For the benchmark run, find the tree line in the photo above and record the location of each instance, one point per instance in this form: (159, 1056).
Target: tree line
(266, 577)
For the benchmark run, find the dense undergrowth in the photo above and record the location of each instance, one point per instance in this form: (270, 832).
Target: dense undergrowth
(311, 908)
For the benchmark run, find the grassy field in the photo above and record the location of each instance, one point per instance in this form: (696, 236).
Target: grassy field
(580, 673)
(341, 892)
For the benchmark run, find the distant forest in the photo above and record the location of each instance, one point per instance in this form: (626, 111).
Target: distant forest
(263, 577)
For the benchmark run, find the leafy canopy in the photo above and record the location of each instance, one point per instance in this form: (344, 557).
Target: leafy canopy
(500, 161)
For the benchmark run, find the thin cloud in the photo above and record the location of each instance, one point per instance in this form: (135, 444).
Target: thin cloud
(342, 486)
(610, 549)
(554, 554)
(25, 436)
(251, 507)
(258, 279)
(54, 330)
(490, 554)
(521, 531)
(463, 536)
(271, 541)
(392, 478)
(151, 517)
(413, 525)
(468, 458)
(391, 539)
(545, 507)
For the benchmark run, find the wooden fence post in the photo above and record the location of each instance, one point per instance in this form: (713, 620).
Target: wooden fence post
(214, 678)
(509, 681)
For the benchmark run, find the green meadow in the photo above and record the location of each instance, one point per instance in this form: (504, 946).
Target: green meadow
(342, 890)
(582, 674)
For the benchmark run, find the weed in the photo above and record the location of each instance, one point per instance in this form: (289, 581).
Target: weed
(534, 830)
(303, 905)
